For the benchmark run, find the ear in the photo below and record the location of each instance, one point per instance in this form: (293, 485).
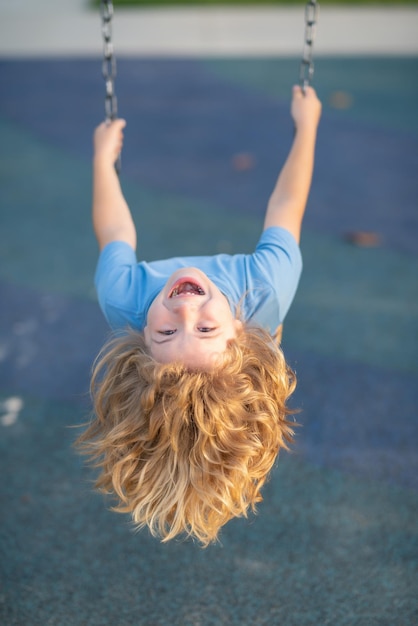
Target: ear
(238, 326)
(147, 336)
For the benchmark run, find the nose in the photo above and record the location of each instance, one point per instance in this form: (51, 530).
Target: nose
(184, 307)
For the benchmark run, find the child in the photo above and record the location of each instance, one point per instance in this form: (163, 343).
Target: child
(190, 396)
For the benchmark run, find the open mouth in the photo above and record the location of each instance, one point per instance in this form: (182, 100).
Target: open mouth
(186, 287)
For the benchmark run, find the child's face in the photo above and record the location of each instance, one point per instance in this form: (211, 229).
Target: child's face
(190, 321)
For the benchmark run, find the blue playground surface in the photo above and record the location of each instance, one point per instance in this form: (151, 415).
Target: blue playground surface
(335, 540)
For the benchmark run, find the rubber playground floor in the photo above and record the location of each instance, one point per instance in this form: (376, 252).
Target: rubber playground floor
(335, 540)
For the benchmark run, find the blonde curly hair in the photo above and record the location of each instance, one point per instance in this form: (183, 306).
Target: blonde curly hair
(185, 451)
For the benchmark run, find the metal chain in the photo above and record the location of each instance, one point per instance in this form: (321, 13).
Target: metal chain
(307, 65)
(109, 61)
(109, 66)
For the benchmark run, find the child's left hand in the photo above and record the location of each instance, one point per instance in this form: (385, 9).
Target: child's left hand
(108, 141)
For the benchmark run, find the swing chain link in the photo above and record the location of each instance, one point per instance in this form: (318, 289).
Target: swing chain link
(109, 68)
(109, 61)
(307, 64)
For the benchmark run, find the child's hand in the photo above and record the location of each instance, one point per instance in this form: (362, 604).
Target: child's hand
(306, 108)
(108, 141)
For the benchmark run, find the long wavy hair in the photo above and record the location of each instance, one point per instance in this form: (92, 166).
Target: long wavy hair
(185, 451)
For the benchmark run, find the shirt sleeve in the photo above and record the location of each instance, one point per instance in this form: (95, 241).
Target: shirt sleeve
(116, 283)
(275, 267)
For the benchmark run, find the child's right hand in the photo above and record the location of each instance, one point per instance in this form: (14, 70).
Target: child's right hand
(305, 108)
(108, 141)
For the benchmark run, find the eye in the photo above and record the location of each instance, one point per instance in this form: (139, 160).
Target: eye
(205, 329)
(166, 332)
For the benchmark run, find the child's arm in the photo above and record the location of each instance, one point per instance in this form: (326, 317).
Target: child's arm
(287, 203)
(112, 218)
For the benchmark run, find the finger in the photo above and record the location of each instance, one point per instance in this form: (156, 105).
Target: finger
(309, 91)
(119, 123)
(99, 129)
